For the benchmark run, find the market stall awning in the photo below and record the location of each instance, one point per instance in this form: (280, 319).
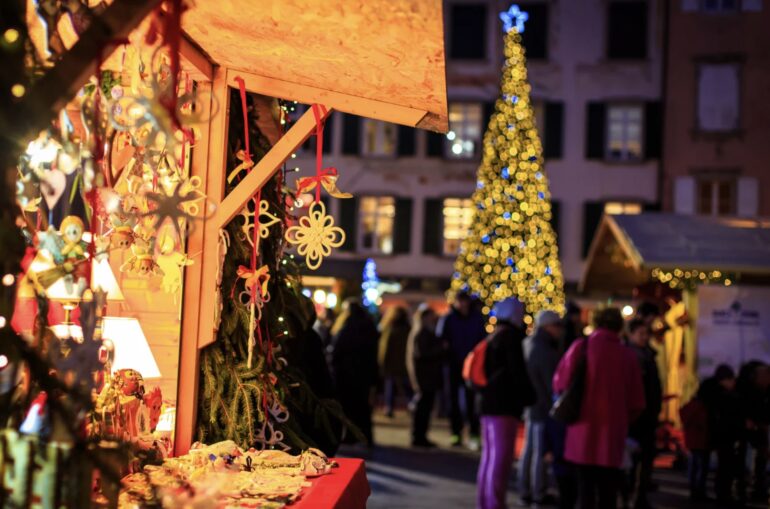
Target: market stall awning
(381, 59)
(627, 247)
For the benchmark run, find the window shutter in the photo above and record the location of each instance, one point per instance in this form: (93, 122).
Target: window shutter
(684, 195)
(402, 226)
(748, 197)
(653, 130)
(555, 216)
(406, 144)
(433, 226)
(554, 130)
(328, 134)
(349, 223)
(592, 216)
(596, 116)
(351, 134)
(435, 144)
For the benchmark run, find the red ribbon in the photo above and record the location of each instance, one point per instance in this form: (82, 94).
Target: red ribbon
(308, 182)
(258, 197)
(319, 109)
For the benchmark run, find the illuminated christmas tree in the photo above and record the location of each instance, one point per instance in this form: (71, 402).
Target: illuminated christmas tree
(511, 248)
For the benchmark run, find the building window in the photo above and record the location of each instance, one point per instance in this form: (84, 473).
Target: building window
(458, 217)
(376, 215)
(718, 97)
(468, 32)
(716, 196)
(624, 132)
(535, 37)
(464, 130)
(719, 5)
(619, 207)
(379, 138)
(627, 30)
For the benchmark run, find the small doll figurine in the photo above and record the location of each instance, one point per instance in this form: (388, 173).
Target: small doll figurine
(71, 230)
(141, 260)
(122, 234)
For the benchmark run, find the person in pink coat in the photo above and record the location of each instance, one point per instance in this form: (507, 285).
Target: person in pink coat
(613, 396)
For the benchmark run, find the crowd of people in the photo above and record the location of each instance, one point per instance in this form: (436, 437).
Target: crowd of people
(599, 455)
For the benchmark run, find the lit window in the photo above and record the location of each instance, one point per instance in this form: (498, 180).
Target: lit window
(377, 214)
(716, 196)
(458, 217)
(718, 97)
(379, 138)
(624, 132)
(619, 207)
(464, 136)
(719, 5)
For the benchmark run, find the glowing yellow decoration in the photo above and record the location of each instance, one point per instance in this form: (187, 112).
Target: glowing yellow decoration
(680, 279)
(511, 248)
(315, 235)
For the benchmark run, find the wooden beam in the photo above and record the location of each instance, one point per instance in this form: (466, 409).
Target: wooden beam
(266, 168)
(342, 102)
(51, 93)
(195, 62)
(198, 274)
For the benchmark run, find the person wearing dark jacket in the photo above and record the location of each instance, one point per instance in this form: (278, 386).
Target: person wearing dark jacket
(503, 399)
(725, 423)
(424, 359)
(753, 385)
(643, 429)
(353, 361)
(541, 352)
(461, 329)
(394, 331)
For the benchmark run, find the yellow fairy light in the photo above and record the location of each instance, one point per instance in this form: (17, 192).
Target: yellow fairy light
(11, 35)
(18, 90)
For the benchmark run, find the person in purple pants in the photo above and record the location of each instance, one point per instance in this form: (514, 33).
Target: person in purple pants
(503, 399)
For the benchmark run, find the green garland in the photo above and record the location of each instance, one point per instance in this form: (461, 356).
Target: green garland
(231, 395)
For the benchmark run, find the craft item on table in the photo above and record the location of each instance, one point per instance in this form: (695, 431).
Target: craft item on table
(266, 220)
(118, 404)
(72, 229)
(53, 183)
(224, 475)
(315, 235)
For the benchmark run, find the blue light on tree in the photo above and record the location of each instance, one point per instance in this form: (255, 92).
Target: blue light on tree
(514, 18)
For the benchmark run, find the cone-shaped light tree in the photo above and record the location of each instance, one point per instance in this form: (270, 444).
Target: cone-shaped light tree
(511, 248)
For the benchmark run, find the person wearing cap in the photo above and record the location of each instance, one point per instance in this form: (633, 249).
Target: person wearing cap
(541, 353)
(507, 392)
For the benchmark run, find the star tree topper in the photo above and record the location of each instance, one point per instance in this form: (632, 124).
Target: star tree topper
(514, 17)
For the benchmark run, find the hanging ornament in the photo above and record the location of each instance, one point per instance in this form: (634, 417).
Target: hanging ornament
(326, 179)
(315, 235)
(266, 220)
(255, 280)
(141, 261)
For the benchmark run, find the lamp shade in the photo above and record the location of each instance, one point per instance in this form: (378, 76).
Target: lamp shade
(131, 347)
(131, 350)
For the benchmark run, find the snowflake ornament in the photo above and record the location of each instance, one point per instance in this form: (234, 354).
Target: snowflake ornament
(266, 220)
(315, 235)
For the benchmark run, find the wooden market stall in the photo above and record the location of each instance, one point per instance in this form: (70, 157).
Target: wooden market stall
(378, 59)
(128, 120)
(692, 256)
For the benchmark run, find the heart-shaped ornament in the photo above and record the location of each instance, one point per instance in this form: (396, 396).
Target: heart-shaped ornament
(52, 187)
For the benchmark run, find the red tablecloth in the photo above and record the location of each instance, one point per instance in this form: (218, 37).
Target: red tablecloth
(346, 487)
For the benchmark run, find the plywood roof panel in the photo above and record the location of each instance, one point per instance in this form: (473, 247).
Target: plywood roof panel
(388, 51)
